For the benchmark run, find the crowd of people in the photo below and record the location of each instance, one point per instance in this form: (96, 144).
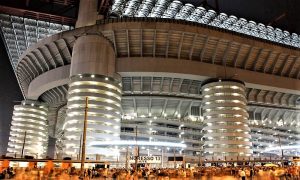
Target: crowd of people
(201, 173)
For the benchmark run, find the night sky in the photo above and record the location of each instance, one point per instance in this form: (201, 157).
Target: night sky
(9, 94)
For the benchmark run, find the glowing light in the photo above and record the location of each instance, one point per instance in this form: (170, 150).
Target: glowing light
(109, 100)
(222, 118)
(108, 108)
(140, 143)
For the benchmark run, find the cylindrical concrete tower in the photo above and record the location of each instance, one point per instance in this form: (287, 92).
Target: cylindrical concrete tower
(104, 112)
(93, 75)
(29, 118)
(226, 118)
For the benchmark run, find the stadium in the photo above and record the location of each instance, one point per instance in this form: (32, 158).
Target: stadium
(173, 78)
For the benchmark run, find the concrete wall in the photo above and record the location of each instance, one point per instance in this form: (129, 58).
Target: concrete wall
(9, 93)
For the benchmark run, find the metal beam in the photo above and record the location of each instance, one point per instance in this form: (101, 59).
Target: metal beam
(284, 116)
(274, 64)
(256, 59)
(266, 61)
(247, 58)
(292, 66)
(20, 75)
(280, 98)
(237, 55)
(193, 45)
(189, 86)
(248, 94)
(47, 97)
(215, 52)
(171, 84)
(225, 56)
(164, 107)
(134, 106)
(131, 84)
(24, 69)
(28, 62)
(289, 99)
(25, 33)
(177, 108)
(51, 95)
(114, 42)
(43, 59)
(54, 55)
(265, 96)
(54, 90)
(68, 48)
(254, 113)
(15, 35)
(276, 114)
(291, 116)
(180, 45)
(154, 43)
(268, 116)
(168, 44)
(32, 58)
(257, 94)
(263, 115)
(202, 53)
(127, 40)
(179, 85)
(283, 65)
(188, 108)
(65, 88)
(273, 97)
(151, 84)
(141, 84)
(149, 105)
(161, 84)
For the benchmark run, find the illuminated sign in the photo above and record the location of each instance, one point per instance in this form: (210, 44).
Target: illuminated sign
(146, 159)
(23, 164)
(41, 164)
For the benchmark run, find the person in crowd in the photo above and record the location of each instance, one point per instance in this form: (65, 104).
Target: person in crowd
(243, 174)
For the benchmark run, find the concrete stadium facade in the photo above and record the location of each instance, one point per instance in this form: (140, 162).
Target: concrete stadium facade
(147, 76)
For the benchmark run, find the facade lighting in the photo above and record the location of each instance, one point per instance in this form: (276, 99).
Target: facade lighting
(227, 92)
(30, 120)
(104, 104)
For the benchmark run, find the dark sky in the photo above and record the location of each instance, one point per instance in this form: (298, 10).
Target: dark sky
(9, 93)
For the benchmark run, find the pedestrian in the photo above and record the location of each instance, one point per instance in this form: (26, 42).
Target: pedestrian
(243, 174)
(251, 173)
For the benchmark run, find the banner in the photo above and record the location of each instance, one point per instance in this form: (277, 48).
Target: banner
(146, 159)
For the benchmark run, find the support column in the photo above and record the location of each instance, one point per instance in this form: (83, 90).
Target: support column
(227, 133)
(104, 112)
(29, 130)
(93, 75)
(88, 13)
